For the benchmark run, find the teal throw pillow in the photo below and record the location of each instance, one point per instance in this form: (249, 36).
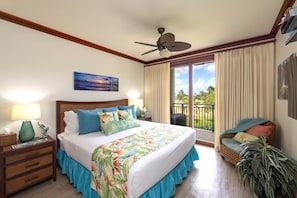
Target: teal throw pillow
(88, 121)
(109, 109)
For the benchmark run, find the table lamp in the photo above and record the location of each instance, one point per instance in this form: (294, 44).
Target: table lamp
(26, 112)
(139, 106)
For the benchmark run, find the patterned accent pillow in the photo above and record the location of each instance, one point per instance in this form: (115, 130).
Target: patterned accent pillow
(243, 137)
(112, 127)
(132, 107)
(106, 117)
(125, 114)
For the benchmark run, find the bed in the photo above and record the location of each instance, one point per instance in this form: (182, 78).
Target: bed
(153, 175)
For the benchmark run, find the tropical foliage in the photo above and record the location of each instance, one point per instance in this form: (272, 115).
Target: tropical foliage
(203, 97)
(267, 170)
(203, 107)
(182, 97)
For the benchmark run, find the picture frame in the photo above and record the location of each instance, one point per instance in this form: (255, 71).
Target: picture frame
(283, 81)
(94, 82)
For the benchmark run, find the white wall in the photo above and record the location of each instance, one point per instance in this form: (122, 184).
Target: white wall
(37, 67)
(286, 126)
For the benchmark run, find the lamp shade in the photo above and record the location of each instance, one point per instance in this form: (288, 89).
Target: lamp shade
(131, 101)
(165, 53)
(139, 103)
(25, 112)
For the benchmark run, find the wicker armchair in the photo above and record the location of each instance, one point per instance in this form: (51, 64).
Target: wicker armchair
(232, 156)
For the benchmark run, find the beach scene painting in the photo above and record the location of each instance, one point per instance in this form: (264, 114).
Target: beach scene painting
(84, 81)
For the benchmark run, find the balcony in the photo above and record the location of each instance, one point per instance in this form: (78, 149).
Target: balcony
(203, 118)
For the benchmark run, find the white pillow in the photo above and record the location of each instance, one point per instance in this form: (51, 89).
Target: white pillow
(71, 121)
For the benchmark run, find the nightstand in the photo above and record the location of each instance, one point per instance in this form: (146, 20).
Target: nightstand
(25, 166)
(145, 119)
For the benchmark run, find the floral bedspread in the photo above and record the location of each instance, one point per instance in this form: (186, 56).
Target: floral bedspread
(111, 162)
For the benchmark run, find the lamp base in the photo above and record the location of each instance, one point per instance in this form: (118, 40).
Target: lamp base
(26, 132)
(138, 112)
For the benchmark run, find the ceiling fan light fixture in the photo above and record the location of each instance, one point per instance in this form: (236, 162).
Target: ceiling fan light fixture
(166, 44)
(165, 53)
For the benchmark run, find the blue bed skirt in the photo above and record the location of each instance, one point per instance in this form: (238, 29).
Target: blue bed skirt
(79, 176)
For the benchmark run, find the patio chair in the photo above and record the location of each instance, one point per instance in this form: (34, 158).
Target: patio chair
(177, 118)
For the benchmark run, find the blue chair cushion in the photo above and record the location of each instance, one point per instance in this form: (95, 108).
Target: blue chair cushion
(232, 144)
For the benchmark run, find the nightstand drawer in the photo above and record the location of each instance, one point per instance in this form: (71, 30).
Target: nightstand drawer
(19, 183)
(16, 169)
(26, 155)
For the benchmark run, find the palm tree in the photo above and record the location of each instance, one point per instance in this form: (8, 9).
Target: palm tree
(210, 98)
(182, 97)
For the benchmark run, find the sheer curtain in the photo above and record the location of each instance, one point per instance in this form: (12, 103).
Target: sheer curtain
(157, 92)
(244, 86)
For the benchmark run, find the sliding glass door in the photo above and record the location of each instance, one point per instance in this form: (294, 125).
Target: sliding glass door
(193, 97)
(204, 100)
(180, 95)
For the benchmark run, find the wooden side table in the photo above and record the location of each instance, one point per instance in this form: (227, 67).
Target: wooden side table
(145, 119)
(24, 166)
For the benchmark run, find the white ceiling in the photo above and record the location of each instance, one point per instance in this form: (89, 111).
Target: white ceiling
(116, 24)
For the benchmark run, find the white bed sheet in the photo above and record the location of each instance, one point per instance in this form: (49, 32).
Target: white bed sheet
(146, 171)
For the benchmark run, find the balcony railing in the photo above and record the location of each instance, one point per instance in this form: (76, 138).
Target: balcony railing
(203, 114)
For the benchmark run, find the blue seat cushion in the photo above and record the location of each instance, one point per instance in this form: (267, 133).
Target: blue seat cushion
(232, 144)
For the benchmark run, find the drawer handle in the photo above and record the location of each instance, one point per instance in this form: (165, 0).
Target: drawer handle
(31, 165)
(32, 178)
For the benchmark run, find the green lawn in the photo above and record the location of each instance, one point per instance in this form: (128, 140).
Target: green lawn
(202, 124)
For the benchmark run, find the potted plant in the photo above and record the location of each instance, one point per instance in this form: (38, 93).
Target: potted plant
(267, 170)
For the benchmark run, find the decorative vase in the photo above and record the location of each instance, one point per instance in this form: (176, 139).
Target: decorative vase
(27, 132)
(138, 112)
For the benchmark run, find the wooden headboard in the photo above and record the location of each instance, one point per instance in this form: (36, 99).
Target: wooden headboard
(62, 106)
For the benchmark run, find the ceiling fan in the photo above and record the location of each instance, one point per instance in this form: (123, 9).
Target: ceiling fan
(166, 44)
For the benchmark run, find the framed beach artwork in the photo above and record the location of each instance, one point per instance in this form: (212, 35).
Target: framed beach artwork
(283, 81)
(84, 81)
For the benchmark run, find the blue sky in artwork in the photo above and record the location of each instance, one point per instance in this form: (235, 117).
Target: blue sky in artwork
(204, 76)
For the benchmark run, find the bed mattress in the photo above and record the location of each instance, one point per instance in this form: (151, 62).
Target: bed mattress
(145, 172)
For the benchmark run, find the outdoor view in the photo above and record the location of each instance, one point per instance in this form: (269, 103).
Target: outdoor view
(203, 94)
